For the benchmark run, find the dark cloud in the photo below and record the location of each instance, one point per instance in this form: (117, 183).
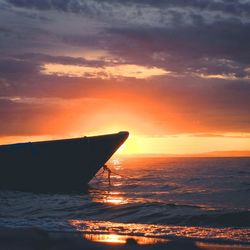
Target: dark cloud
(44, 58)
(181, 41)
(21, 75)
(5, 31)
(185, 47)
(59, 5)
(232, 7)
(43, 5)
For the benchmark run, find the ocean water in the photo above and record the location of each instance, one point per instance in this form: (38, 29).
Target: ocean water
(196, 198)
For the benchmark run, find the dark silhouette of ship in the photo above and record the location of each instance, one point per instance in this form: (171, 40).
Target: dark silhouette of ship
(58, 165)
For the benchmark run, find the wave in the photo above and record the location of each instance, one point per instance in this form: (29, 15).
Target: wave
(134, 211)
(171, 217)
(229, 235)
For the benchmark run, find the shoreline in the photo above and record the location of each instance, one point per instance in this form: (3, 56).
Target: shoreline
(34, 238)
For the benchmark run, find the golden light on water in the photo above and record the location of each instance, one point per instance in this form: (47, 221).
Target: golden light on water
(122, 239)
(160, 231)
(107, 238)
(110, 198)
(115, 200)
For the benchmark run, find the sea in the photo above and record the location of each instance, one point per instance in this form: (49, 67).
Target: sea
(204, 199)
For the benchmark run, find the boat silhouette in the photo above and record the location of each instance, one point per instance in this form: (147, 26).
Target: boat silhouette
(57, 165)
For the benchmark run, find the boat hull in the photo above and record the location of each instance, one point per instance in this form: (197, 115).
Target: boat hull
(60, 165)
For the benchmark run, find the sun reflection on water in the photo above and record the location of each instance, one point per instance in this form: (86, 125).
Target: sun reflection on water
(109, 197)
(121, 239)
(114, 198)
(108, 238)
(117, 164)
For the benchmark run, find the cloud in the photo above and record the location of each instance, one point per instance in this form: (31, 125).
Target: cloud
(106, 72)
(240, 8)
(65, 60)
(187, 47)
(5, 31)
(166, 34)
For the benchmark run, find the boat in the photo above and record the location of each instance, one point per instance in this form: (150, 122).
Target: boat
(56, 165)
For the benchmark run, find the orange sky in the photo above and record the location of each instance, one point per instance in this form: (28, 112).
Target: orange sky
(153, 127)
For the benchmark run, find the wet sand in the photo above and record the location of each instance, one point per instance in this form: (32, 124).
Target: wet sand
(30, 239)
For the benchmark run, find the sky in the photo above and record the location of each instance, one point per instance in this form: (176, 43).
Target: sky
(175, 74)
